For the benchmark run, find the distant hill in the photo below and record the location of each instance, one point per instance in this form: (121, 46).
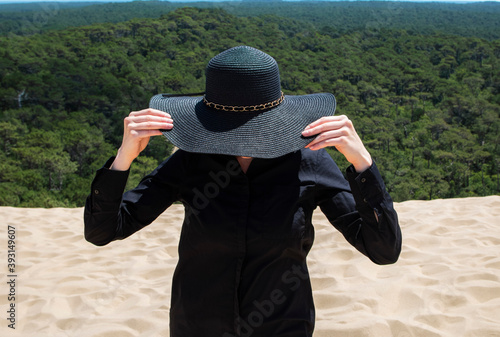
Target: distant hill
(42, 6)
(473, 19)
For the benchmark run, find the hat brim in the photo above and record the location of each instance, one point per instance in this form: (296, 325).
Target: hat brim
(265, 134)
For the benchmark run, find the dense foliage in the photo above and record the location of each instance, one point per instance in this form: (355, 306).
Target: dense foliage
(339, 17)
(426, 106)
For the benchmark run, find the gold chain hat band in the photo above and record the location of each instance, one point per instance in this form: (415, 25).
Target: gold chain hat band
(257, 107)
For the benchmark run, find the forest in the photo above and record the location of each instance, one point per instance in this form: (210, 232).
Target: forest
(427, 105)
(467, 19)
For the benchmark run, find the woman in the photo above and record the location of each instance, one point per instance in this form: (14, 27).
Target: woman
(250, 169)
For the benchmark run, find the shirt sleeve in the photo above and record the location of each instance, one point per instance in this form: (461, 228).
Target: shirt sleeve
(360, 208)
(111, 215)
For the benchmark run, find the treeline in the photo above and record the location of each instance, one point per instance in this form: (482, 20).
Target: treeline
(335, 17)
(426, 106)
(13, 7)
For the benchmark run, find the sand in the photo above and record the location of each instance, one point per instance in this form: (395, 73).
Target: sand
(446, 282)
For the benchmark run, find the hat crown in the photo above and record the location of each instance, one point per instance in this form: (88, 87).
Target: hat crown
(242, 76)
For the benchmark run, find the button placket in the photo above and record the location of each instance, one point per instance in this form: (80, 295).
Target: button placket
(241, 238)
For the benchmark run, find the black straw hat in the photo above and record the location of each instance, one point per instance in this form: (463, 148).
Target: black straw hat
(243, 111)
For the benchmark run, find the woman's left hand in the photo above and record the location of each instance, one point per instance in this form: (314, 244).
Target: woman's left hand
(339, 131)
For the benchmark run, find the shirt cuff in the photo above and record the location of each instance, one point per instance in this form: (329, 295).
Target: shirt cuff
(108, 185)
(367, 187)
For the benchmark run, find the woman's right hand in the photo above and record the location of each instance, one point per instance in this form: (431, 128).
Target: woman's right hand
(138, 128)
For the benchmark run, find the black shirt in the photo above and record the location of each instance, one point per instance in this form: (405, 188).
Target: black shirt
(242, 252)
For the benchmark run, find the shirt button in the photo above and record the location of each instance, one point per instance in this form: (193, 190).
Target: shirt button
(96, 192)
(363, 180)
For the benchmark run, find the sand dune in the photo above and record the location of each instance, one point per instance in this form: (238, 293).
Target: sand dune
(446, 283)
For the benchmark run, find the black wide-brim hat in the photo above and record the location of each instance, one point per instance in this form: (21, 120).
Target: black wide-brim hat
(243, 111)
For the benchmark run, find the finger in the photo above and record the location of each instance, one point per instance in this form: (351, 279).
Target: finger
(149, 118)
(334, 134)
(325, 120)
(150, 111)
(145, 122)
(148, 126)
(316, 145)
(323, 127)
